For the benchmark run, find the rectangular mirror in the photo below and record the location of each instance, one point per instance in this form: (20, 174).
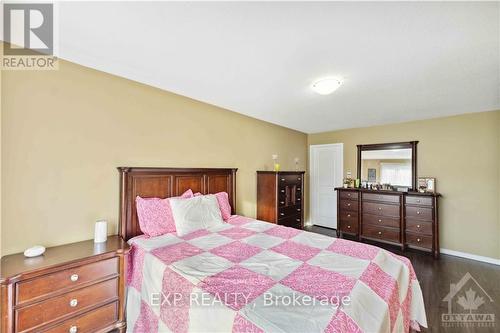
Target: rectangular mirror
(388, 165)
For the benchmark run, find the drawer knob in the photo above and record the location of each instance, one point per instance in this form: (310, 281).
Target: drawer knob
(298, 220)
(380, 232)
(73, 329)
(73, 302)
(282, 214)
(74, 277)
(380, 208)
(418, 212)
(418, 225)
(299, 178)
(418, 239)
(282, 191)
(348, 194)
(298, 199)
(418, 200)
(298, 188)
(282, 202)
(348, 227)
(379, 220)
(282, 179)
(298, 209)
(348, 215)
(348, 204)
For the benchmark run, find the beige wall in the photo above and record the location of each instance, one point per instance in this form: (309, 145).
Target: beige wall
(64, 133)
(463, 153)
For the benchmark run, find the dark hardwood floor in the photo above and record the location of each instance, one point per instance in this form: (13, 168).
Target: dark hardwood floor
(435, 277)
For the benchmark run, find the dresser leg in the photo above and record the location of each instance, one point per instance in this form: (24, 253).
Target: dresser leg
(338, 233)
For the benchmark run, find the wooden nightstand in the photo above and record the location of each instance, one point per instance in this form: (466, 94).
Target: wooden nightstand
(72, 288)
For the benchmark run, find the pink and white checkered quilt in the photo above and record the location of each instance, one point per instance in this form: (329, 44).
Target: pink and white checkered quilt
(253, 276)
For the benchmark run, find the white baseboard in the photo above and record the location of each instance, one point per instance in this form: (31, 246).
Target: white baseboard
(471, 256)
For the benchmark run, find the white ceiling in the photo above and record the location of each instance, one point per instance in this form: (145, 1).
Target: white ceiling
(401, 61)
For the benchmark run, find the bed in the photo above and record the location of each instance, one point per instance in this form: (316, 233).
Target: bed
(254, 276)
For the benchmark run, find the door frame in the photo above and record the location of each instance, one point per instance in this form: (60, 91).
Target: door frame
(311, 175)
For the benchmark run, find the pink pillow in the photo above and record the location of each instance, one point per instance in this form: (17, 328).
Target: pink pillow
(223, 201)
(224, 206)
(155, 214)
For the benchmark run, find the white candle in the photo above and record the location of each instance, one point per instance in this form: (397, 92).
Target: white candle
(101, 231)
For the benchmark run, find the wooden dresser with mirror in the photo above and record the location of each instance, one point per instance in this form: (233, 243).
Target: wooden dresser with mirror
(400, 216)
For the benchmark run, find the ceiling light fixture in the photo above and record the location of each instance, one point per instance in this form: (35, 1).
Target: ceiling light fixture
(327, 85)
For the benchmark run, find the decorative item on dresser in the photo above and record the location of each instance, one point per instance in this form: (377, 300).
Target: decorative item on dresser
(406, 219)
(77, 287)
(280, 197)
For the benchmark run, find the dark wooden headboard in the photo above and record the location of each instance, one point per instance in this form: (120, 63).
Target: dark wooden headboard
(166, 183)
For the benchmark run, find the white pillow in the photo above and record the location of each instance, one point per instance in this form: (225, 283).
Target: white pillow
(196, 213)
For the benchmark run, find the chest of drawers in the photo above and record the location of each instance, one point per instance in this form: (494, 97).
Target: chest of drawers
(280, 197)
(72, 288)
(398, 218)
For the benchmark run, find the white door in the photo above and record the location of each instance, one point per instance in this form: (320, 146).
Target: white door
(326, 172)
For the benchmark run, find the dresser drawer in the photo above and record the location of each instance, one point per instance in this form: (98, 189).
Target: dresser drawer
(349, 218)
(389, 198)
(71, 302)
(288, 211)
(419, 200)
(290, 179)
(381, 209)
(68, 278)
(419, 240)
(90, 321)
(419, 227)
(349, 195)
(384, 221)
(348, 205)
(291, 221)
(420, 213)
(348, 215)
(349, 226)
(382, 233)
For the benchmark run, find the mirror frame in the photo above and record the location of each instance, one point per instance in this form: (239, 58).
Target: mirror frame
(395, 145)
